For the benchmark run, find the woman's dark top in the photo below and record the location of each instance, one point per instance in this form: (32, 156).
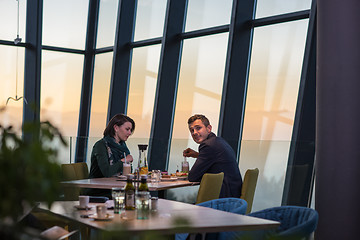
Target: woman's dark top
(106, 161)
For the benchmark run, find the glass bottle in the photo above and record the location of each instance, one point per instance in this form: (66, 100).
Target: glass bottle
(142, 164)
(142, 199)
(129, 194)
(143, 184)
(185, 166)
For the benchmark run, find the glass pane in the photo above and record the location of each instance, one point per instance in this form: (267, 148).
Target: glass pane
(150, 17)
(144, 73)
(9, 18)
(64, 23)
(201, 14)
(199, 91)
(275, 70)
(107, 23)
(61, 89)
(271, 158)
(12, 83)
(273, 86)
(100, 94)
(266, 8)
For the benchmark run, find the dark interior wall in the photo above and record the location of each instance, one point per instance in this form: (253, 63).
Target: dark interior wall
(338, 120)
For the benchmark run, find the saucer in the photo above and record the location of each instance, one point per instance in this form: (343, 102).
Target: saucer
(108, 217)
(82, 208)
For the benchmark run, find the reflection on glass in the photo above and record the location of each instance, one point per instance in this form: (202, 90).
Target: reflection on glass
(275, 70)
(150, 17)
(9, 18)
(144, 72)
(266, 8)
(207, 13)
(11, 82)
(64, 23)
(107, 23)
(61, 89)
(100, 94)
(273, 86)
(199, 91)
(271, 158)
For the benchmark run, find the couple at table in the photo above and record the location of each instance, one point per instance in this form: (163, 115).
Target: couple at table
(215, 154)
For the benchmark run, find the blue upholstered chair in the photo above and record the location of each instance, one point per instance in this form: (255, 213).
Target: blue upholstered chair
(234, 205)
(296, 223)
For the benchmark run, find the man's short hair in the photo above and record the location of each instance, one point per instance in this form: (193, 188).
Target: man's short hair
(203, 119)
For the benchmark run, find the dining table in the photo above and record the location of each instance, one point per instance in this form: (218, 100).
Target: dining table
(112, 182)
(166, 218)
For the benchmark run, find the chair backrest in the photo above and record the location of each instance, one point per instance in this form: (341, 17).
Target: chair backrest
(234, 205)
(249, 186)
(295, 223)
(73, 171)
(81, 170)
(210, 187)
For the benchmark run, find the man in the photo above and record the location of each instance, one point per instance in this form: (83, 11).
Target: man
(215, 155)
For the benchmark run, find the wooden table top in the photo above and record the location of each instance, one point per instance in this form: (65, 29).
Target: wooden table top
(108, 183)
(201, 219)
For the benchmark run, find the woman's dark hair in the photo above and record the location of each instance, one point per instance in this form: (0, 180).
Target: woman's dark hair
(119, 119)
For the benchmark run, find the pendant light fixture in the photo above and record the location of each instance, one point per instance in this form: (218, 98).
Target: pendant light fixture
(17, 40)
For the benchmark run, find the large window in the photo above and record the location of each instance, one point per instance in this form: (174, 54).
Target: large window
(100, 94)
(145, 66)
(200, 87)
(273, 87)
(61, 89)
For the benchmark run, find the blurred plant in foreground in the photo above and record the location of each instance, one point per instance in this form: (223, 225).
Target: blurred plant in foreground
(29, 171)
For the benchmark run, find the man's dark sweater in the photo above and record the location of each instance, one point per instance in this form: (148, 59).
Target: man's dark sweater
(215, 156)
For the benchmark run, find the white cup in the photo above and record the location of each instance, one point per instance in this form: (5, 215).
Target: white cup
(84, 201)
(126, 169)
(101, 210)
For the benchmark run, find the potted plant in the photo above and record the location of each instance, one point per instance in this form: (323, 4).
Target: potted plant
(29, 172)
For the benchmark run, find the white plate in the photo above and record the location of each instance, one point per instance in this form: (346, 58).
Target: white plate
(168, 179)
(107, 218)
(82, 208)
(122, 177)
(182, 178)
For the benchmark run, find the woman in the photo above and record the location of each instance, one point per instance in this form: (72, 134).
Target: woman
(108, 154)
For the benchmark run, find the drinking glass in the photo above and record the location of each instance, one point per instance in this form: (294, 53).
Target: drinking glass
(126, 169)
(155, 176)
(142, 205)
(118, 195)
